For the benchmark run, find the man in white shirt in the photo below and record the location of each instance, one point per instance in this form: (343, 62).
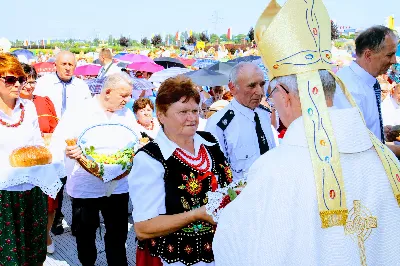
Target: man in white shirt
(66, 92)
(376, 51)
(243, 128)
(108, 67)
(89, 193)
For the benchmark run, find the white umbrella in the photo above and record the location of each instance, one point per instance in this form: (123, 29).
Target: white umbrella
(162, 75)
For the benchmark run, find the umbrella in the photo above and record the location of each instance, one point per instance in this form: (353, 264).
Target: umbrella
(168, 62)
(142, 84)
(44, 67)
(87, 70)
(249, 58)
(162, 75)
(205, 77)
(95, 85)
(398, 50)
(24, 52)
(145, 66)
(123, 64)
(135, 58)
(119, 55)
(222, 67)
(187, 61)
(204, 63)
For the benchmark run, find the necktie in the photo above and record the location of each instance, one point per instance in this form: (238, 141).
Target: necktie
(377, 89)
(262, 140)
(64, 94)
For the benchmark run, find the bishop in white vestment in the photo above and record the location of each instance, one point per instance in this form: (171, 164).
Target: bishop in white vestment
(329, 194)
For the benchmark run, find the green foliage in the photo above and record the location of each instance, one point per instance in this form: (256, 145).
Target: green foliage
(144, 41)
(123, 41)
(214, 38)
(223, 38)
(334, 31)
(156, 40)
(238, 38)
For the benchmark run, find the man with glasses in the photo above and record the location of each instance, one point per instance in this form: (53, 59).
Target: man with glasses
(66, 92)
(243, 128)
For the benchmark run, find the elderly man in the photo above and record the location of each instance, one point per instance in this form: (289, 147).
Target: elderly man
(327, 195)
(243, 128)
(66, 92)
(376, 51)
(108, 67)
(89, 193)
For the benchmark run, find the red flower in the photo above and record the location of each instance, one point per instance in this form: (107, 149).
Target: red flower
(8, 241)
(8, 223)
(193, 186)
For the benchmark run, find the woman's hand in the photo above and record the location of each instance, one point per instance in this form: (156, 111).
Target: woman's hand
(73, 152)
(201, 214)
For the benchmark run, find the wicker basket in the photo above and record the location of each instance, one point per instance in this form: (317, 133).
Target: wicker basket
(91, 166)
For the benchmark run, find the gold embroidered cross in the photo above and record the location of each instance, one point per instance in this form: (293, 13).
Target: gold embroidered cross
(359, 224)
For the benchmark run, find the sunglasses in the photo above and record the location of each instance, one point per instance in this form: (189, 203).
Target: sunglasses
(11, 80)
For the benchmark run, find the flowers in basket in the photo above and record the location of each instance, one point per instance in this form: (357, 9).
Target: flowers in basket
(220, 198)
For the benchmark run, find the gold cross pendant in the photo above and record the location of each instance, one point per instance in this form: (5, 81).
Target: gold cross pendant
(359, 225)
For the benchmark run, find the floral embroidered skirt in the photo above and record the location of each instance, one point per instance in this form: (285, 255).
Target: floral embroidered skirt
(23, 222)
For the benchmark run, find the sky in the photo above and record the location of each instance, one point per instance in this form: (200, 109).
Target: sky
(88, 19)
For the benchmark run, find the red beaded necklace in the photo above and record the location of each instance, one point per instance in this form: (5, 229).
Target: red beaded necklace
(21, 119)
(201, 158)
(151, 127)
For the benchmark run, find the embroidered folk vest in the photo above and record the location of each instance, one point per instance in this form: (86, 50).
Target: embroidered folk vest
(186, 189)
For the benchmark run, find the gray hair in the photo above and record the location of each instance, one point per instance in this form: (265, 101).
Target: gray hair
(233, 76)
(116, 79)
(290, 82)
(373, 39)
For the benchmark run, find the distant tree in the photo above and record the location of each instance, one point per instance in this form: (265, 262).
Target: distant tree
(191, 40)
(110, 40)
(96, 41)
(251, 34)
(223, 38)
(144, 41)
(238, 38)
(123, 41)
(204, 38)
(133, 43)
(334, 31)
(214, 38)
(156, 40)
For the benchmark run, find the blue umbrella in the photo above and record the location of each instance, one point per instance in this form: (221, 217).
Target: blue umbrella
(204, 63)
(398, 50)
(249, 58)
(119, 55)
(24, 52)
(206, 77)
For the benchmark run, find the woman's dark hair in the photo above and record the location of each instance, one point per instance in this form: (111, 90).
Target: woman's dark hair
(29, 71)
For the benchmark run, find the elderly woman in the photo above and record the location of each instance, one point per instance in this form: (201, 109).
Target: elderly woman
(48, 121)
(170, 179)
(148, 126)
(89, 193)
(23, 205)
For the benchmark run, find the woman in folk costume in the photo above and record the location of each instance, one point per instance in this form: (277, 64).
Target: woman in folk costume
(170, 179)
(329, 194)
(23, 203)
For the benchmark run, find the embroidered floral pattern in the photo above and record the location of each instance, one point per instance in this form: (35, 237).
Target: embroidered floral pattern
(207, 247)
(197, 227)
(153, 242)
(170, 248)
(185, 204)
(188, 249)
(193, 186)
(228, 172)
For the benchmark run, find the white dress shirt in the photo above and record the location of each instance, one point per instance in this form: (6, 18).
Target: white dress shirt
(28, 133)
(81, 184)
(390, 112)
(50, 85)
(110, 70)
(361, 86)
(146, 182)
(241, 138)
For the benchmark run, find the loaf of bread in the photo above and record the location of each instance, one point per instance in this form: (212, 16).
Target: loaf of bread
(30, 156)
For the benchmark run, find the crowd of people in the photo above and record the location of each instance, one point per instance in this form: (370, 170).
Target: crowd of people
(306, 130)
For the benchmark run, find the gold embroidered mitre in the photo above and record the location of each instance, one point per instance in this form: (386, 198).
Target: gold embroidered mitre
(297, 39)
(265, 19)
